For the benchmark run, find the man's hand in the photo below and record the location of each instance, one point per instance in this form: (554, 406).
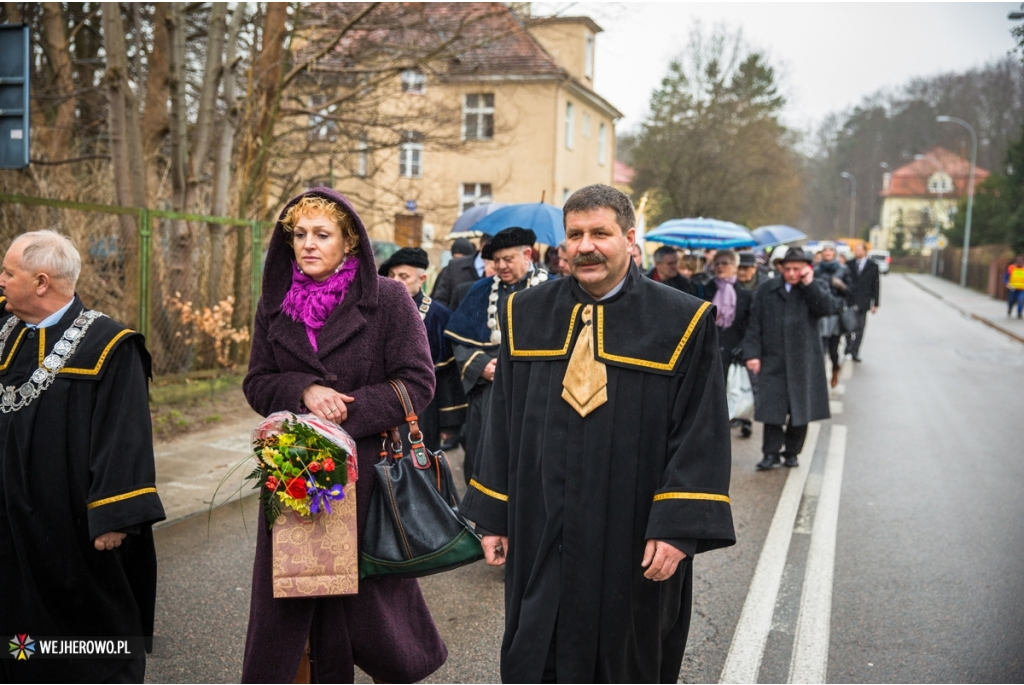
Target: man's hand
(661, 560)
(754, 365)
(108, 541)
(807, 275)
(874, 308)
(495, 549)
(488, 372)
(326, 403)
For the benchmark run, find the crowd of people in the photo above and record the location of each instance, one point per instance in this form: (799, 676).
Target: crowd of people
(542, 369)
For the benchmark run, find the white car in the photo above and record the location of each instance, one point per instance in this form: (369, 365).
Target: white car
(882, 259)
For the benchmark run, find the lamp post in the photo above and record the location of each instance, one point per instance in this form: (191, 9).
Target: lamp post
(938, 230)
(853, 198)
(942, 119)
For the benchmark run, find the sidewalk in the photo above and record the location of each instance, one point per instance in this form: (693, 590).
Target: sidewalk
(189, 468)
(983, 308)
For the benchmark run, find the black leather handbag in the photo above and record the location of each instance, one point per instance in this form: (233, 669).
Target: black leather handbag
(848, 319)
(413, 527)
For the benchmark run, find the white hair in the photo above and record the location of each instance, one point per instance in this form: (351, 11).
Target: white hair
(53, 254)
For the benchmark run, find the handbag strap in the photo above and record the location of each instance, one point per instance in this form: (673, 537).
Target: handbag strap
(418, 451)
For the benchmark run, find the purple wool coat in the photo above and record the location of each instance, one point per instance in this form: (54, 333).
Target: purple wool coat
(374, 335)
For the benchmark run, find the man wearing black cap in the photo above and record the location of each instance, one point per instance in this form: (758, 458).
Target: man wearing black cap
(447, 411)
(783, 347)
(462, 269)
(748, 275)
(474, 330)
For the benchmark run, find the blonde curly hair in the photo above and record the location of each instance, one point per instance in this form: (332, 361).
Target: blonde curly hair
(311, 205)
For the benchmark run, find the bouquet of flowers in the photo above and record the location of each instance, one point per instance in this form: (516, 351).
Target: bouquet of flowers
(303, 462)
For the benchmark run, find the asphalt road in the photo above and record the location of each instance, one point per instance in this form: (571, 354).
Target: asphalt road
(894, 554)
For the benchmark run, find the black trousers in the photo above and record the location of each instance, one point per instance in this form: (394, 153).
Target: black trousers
(832, 345)
(853, 346)
(776, 436)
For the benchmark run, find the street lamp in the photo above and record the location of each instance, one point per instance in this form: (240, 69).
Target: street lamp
(853, 198)
(942, 119)
(938, 231)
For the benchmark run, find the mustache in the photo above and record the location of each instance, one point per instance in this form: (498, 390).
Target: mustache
(589, 258)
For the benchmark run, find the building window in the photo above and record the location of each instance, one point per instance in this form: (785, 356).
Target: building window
(474, 194)
(586, 125)
(565, 195)
(478, 116)
(588, 67)
(602, 144)
(570, 112)
(363, 159)
(410, 160)
(414, 81)
(321, 127)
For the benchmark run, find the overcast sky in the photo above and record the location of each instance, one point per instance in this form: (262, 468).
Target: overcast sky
(830, 54)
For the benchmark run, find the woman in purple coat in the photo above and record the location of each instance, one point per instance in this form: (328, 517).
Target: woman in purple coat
(329, 335)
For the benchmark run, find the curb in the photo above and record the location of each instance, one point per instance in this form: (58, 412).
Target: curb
(977, 317)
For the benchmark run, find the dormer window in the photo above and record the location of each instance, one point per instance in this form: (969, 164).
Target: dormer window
(588, 66)
(414, 81)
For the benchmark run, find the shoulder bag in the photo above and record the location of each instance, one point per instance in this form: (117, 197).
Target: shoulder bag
(413, 527)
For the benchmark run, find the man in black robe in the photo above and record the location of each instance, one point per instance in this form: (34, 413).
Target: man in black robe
(77, 493)
(446, 412)
(605, 461)
(474, 330)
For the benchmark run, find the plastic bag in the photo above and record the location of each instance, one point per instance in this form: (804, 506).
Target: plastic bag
(739, 393)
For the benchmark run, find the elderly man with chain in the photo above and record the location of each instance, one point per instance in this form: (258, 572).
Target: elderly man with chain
(77, 493)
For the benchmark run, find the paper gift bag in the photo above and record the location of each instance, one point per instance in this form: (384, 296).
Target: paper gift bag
(317, 557)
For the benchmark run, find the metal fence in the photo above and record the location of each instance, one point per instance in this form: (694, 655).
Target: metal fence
(192, 293)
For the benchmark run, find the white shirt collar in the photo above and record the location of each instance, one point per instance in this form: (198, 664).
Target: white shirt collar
(789, 286)
(478, 264)
(53, 318)
(615, 291)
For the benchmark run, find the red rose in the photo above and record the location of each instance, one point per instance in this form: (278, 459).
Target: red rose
(314, 467)
(272, 483)
(296, 488)
(328, 464)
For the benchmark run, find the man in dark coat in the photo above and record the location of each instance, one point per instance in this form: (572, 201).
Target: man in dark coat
(474, 331)
(447, 411)
(864, 295)
(783, 347)
(596, 520)
(666, 270)
(460, 270)
(748, 274)
(733, 313)
(77, 477)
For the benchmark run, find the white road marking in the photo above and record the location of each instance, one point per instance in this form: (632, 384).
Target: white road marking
(810, 644)
(748, 641)
(846, 373)
(835, 407)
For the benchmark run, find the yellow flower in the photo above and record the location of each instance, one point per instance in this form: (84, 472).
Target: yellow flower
(299, 506)
(268, 455)
(285, 440)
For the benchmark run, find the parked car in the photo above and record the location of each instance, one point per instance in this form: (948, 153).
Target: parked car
(882, 259)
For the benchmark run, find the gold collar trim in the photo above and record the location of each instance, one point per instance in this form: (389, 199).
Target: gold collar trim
(646, 363)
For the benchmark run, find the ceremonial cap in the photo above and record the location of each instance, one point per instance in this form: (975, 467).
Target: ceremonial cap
(510, 237)
(407, 256)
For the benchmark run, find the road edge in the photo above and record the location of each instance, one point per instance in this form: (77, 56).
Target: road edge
(977, 317)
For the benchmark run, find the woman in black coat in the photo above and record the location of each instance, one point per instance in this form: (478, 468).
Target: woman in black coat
(836, 276)
(732, 302)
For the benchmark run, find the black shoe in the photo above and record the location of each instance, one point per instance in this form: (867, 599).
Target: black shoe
(746, 430)
(450, 444)
(857, 358)
(770, 461)
(790, 461)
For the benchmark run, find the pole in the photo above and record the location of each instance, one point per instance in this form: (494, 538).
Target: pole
(145, 259)
(970, 193)
(853, 199)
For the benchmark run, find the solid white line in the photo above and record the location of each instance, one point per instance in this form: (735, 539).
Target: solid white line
(810, 644)
(748, 641)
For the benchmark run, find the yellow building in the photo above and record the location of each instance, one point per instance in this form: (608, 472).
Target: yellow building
(921, 194)
(510, 116)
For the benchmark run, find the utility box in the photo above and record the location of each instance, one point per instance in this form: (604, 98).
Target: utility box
(14, 96)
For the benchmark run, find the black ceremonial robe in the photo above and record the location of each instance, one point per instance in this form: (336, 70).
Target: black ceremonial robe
(579, 497)
(77, 463)
(447, 411)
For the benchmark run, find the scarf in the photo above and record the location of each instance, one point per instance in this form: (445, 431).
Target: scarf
(309, 302)
(725, 301)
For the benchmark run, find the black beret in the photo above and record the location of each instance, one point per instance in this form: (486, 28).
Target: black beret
(796, 254)
(510, 237)
(748, 259)
(407, 256)
(463, 247)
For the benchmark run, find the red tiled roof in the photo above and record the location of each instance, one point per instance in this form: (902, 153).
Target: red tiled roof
(911, 180)
(623, 173)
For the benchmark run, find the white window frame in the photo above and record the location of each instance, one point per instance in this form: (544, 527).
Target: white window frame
(320, 127)
(480, 113)
(570, 115)
(587, 127)
(410, 155)
(588, 66)
(414, 82)
(602, 144)
(476, 198)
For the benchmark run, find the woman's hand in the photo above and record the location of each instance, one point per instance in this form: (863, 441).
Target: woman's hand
(326, 403)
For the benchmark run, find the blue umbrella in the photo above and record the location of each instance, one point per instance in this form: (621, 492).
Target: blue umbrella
(542, 219)
(475, 214)
(701, 233)
(779, 234)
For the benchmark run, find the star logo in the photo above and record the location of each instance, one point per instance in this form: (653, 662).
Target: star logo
(22, 647)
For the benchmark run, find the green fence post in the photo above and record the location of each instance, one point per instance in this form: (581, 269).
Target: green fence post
(145, 260)
(255, 265)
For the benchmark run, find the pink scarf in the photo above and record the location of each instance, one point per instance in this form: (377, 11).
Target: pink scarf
(725, 301)
(310, 303)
